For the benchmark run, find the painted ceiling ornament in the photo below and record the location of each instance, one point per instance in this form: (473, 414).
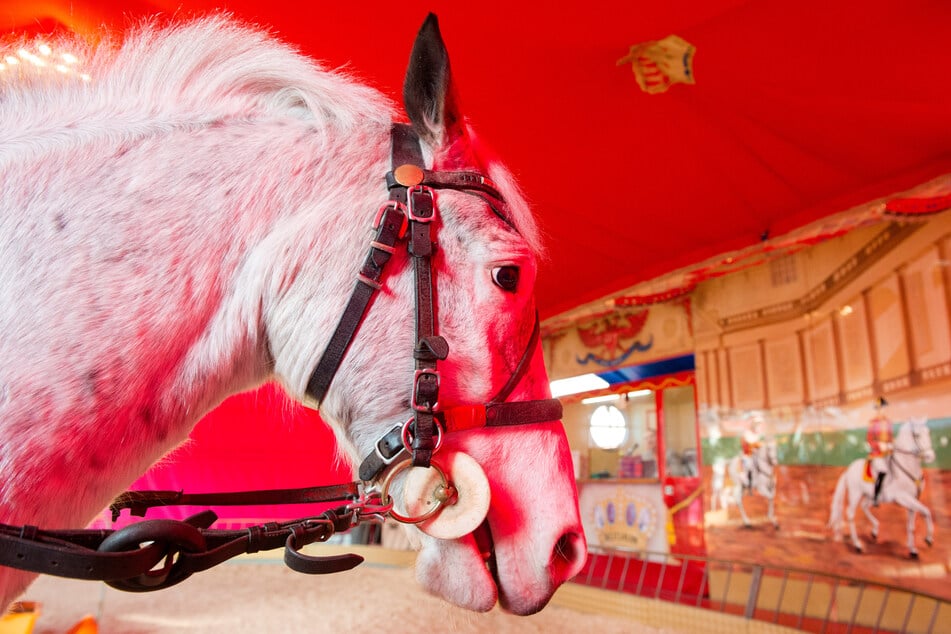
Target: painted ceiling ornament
(668, 295)
(614, 337)
(917, 205)
(659, 64)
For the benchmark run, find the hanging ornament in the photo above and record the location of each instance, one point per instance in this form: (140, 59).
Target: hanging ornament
(657, 65)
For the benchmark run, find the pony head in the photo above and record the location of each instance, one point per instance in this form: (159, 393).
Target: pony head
(915, 437)
(484, 267)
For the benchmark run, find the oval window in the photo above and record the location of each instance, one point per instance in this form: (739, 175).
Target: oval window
(608, 427)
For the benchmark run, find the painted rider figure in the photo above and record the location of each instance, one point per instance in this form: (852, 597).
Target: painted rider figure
(751, 441)
(879, 438)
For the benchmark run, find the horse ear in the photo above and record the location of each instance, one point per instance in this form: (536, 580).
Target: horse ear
(428, 92)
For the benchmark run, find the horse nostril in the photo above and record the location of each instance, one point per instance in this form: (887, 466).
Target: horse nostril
(569, 556)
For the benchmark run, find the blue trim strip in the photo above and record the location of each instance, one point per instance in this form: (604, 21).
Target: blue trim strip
(648, 370)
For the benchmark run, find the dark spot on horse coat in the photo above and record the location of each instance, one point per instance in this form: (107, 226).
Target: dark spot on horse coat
(159, 430)
(90, 382)
(97, 462)
(60, 222)
(346, 417)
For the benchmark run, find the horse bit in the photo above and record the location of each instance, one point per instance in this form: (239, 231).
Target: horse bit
(129, 558)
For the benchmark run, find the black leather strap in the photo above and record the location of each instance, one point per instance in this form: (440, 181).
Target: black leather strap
(71, 554)
(138, 502)
(390, 446)
(426, 379)
(389, 231)
(189, 546)
(430, 348)
(386, 450)
(414, 197)
(522, 366)
(523, 412)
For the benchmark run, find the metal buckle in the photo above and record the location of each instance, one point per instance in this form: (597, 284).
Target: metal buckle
(410, 211)
(398, 206)
(379, 452)
(415, 404)
(369, 508)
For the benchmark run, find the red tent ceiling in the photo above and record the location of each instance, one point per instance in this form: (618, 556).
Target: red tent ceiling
(798, 111)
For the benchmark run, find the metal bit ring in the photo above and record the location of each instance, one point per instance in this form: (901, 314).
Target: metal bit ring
(440, 499)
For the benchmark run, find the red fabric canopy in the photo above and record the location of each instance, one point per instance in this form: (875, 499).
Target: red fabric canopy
(798, 111)
(256, 441)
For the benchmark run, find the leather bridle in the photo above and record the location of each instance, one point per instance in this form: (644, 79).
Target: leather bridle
(917, 453)
(129, 558)
(409, 213)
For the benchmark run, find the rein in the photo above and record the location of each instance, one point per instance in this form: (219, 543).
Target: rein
(914, 453)
(132, 558)
(759, 469)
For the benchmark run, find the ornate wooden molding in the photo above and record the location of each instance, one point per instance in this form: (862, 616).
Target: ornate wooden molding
(879, 246)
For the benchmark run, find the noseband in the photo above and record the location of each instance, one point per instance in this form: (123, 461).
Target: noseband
(409, 214)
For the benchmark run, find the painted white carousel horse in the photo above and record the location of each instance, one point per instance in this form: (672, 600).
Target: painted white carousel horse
(759, 478)
(902, 485)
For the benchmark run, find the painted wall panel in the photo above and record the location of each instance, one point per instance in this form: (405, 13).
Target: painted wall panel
(784, 371)
(888, 329)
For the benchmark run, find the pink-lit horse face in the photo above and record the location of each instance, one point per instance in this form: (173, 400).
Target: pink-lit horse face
(484, 268)
(531, 540)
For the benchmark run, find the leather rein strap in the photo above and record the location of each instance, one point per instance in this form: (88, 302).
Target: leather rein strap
(128, 558)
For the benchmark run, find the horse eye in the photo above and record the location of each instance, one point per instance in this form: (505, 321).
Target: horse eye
(506, 278)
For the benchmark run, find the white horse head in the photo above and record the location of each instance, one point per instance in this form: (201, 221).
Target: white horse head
(914, 437)
(189, 222)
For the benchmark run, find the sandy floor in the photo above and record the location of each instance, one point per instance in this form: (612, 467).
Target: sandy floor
(262, 595)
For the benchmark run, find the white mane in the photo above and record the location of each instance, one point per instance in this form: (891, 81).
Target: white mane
(160, 79)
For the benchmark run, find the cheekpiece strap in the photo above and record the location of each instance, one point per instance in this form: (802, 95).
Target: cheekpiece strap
(407, 160)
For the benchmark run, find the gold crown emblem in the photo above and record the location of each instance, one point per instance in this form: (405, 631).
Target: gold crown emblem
(625, 521)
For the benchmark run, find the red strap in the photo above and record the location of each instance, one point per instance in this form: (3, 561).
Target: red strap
(464, 417)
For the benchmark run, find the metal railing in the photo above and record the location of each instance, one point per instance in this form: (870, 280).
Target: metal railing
(806, 600)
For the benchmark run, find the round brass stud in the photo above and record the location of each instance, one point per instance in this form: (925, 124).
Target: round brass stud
(408, 175)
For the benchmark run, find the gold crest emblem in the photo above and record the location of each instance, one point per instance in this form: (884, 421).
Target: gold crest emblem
(658, 65)
(625, 521)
